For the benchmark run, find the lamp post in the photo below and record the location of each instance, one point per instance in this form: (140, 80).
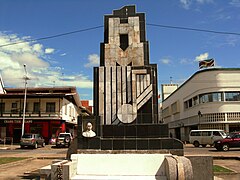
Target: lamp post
(25, 97)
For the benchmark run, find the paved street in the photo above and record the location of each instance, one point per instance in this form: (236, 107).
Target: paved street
(43, 156)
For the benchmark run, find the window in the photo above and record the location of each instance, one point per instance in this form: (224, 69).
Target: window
(206, 133)
(50, 107)
(232, 96)
(14, 105)
(36, 107)
(217, 97)
(211, 97)
(190, 103)
(2, 107)
(216, 133)
(197, 133)
(195, 100)
(14, 108)
(123, 41)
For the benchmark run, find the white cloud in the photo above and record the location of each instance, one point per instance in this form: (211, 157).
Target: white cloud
(165, 61)
(93, 59)
(49, 50)
(235, 3)
(201, 57)
(63, 54)
(40, 70)
(186, 61)
(187, 3)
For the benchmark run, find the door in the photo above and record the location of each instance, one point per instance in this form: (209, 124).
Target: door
(17, 133)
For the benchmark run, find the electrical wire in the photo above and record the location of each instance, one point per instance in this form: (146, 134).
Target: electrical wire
(194, 29)
(97, 27)
(50, 37)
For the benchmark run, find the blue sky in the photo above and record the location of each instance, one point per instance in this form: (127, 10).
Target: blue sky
(69, 60)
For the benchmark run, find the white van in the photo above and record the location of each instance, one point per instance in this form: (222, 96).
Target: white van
(206, 136)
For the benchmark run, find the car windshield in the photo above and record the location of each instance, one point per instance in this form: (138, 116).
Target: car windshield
(27, 136)
(63, 135)
(222, 133)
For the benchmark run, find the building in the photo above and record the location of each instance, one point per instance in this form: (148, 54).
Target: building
(209, 99)
(49, 111)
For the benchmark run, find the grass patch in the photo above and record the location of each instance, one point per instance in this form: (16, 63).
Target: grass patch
(5, 160)
(220, 169)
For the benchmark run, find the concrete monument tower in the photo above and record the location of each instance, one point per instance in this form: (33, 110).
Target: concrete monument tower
(125, 83)
(125, 91)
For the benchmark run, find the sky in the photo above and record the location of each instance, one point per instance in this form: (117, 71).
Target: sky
(69, 60)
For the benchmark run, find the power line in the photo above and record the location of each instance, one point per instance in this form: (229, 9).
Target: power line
(97, 27)
(194, 29)
(50, 37)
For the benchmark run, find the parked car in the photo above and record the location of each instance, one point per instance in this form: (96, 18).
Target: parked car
(231, 141)
(32, 140)
(205, 137)
(64, 139)
(52, 141)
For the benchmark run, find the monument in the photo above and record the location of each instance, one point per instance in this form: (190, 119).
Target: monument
(125, 90)
(123, 140)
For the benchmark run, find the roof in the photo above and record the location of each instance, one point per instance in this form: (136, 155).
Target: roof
(202, 71)
(69, 92)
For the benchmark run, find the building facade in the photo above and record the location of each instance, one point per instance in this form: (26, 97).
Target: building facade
(209, 99)
(49, 111)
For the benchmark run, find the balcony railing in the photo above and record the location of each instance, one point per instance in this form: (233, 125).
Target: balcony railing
(29, 114)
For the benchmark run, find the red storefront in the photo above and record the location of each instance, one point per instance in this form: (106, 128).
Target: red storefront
(47, 128)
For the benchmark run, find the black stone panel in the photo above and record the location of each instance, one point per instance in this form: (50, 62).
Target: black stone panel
(142, 131)
(106, 144)
(107, 131)
(130, 131)
(154, 131)
(118, 144)
(142, 143)
(130, 144)
(94, 143)
(154, 144)
(118, 131)
(167, 143)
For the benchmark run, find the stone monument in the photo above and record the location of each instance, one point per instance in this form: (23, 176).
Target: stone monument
(123, 140)
(125, 90)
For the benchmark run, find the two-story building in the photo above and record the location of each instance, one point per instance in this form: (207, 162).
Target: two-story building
(209, 99)
(48, 111)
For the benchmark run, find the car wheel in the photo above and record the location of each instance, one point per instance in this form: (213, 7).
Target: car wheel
(36, 146)
(204, 145)
(21, 147)
(43, 144)
(225, 147)
(67, 139)
(196, 144)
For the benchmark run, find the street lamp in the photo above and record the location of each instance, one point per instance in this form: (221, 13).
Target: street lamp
(25, 97)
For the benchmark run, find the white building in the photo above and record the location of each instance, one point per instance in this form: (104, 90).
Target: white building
(209, 99)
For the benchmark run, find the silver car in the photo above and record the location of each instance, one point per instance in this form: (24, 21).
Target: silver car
(32, 140)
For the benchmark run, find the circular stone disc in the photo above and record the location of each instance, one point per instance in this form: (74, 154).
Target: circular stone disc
(126, 114)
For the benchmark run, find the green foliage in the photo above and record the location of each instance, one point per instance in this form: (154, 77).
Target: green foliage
(5, 160)
(220, 169)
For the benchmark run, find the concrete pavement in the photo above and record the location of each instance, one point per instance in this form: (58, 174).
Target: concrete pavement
(228, 160)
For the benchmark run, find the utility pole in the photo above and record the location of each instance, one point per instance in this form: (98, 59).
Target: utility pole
(25, 97)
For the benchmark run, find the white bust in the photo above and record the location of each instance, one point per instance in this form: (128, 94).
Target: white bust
(89, 132)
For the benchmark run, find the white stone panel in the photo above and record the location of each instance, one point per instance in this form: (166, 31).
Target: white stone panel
(124, 87)
(114, 93)
(129, 84)
(138, 85)
(108, 95)
(119, 87)
(144, 94)
(101, 93)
